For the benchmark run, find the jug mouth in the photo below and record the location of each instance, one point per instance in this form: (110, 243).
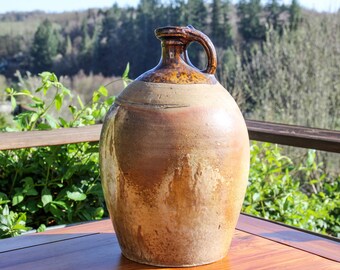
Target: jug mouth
(176, 32)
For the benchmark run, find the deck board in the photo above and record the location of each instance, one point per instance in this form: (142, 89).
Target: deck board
(319, 139)
(94, 245)
(316, 244)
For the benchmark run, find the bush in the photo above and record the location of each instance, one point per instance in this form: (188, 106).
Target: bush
(275, 192)
(293, 76)
(56, 184)
(52, 185)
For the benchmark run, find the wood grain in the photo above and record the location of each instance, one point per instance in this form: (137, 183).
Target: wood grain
(327, 247)
(17, 140)
(101, 251)
(93, 245)
(319, 139)
(55, 234)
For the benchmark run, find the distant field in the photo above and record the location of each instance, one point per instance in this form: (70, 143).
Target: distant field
(28, 24)
(19, 28)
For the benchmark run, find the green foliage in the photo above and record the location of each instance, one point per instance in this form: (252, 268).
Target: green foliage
(295, 17)
(250, 25)
(196, 14)
(60, 184)
(102, 41)
(55, 184)
(220, 26)
(274, 191)
(45, 46)
(11, 223)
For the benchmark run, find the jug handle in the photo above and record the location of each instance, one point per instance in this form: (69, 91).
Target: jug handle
(193, 35)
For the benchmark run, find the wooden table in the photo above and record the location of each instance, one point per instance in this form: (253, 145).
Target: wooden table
(257, 244)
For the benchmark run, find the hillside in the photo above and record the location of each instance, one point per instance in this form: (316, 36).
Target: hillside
(262, 50)
(220, 20)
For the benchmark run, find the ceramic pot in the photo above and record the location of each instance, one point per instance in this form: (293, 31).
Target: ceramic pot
(174, 156)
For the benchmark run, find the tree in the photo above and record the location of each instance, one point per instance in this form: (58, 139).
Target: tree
(147, 20)
(294, 15)
(86, 48)
(216, 20)
(174, 12)
(221, 33)
(68, 45)
(274, 10)
(45, 47)
(107, 42)
(250, 25)
(227, 28)
(197, 14)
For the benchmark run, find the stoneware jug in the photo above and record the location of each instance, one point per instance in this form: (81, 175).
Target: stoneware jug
(174, 156)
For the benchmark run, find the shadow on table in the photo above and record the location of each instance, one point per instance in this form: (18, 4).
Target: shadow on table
(125, 264)
(290, 235)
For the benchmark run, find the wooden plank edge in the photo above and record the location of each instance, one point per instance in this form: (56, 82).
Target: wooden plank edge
(314, 138)
(18, 140)
(288, 235)
(319, 139)
(37, 239)
(55, 234)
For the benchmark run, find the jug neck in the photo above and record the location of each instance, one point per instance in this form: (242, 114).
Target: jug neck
(174, 66)
(172, 52)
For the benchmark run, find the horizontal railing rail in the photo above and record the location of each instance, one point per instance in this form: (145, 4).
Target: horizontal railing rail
(319, 139)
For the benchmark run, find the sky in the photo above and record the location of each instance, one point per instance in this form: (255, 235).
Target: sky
(71, 5)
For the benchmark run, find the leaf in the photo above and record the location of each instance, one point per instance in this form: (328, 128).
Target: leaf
(9, 90)
(27, 92)
(98, 213)
(3, 196)
(43, 126)
(13, 102)
(55, 210)
(86, 215)
(21, 219)
(310, 157)
(32, 192)
(103, 90)
(110, 100)
(126, 71)
(80, 102)
(46, 196)
(37, 100)
(66, 91)
(70, 171)
(58, 101)
(76, 196)
(33, 204)
(5, 211)
(19, 226)
(39, 89)
(41, 228)
(51, 121)
(63, 122)
(256, 197)
(73, 109)
(45, 75)
(60, 203)
(34, 117)
(95, 96)
(17, 198)
(28, 181)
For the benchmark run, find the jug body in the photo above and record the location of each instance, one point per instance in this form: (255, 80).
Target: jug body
(174, 156)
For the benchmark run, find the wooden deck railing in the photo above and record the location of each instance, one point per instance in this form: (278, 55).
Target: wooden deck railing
(319, 139)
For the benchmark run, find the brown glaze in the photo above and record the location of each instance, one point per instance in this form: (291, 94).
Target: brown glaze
(174, 164)
(175, 66)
